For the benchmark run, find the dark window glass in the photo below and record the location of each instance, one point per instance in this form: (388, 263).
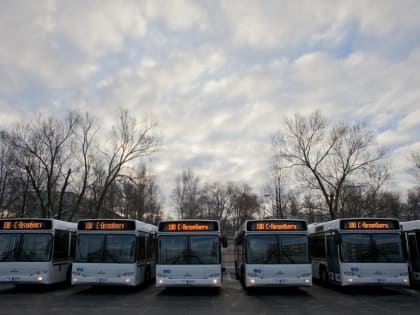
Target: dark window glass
(189, 250)
(8, 246)
(106, 248)
(277, 249)
(371, 248)
(35, 247)
(61, 245)
(120, 249)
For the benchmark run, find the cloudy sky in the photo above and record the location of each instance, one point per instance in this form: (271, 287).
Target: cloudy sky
(219, 76)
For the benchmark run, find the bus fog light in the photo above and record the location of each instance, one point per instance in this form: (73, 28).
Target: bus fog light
(350, 280)
(127, 280)
(252, 281)
(160, 281)
(215, 281)
(40, 278)
(307, 280)
(75, 279)
(406, 280)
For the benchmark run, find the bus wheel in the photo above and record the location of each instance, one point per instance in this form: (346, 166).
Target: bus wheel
(243, 277)
(67, 282)
(324, 276)
(147, 276)
(237, 272)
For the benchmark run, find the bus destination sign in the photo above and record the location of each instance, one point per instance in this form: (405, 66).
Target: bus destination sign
(188, 226)
(25, 224)
(106, 225)
(276, 225)
(370, 224)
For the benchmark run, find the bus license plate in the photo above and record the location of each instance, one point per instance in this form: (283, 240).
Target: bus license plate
(380, 281)
(101, 280)
(188, 282)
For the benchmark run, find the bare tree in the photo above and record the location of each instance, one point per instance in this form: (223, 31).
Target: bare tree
(129, 141)
(142, 196)
(327, 158)
(43, 146)
(246, 206)
(276, 190)
(186, 194)
(82, 150)
(217, 201)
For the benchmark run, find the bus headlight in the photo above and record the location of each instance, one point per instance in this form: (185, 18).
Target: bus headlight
(215, 281)
(252, 281)
(41, 275)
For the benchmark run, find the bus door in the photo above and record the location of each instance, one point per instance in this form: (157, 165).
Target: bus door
(413, 257)
(332, 256)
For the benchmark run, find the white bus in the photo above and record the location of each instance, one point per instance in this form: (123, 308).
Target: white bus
(189, 253)
(358, 251)
(114, 252)
(411, 230)
(273, 252)
(36, 251)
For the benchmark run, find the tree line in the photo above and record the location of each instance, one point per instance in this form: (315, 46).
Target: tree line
(76, 167)
(73, 167)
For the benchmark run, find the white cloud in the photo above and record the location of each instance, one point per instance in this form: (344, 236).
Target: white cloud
(219, 77)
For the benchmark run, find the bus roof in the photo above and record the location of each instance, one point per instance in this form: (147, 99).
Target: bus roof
(349, 224)
(115, 225)
(32, 224)
(273, 225)
(411, 225)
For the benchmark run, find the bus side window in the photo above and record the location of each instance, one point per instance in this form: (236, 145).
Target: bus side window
(61, 245)
(142, 246)
(412, 248)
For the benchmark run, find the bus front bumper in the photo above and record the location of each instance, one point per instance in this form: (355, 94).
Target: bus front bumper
(123, 281)
(362, 281)
(286, 282)
(181, 282)
(25, 279)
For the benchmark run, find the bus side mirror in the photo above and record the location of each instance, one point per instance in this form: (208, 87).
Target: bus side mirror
(224, 241)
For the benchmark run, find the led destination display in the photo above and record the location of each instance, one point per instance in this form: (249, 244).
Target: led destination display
(106, 225)
(369, 224)
(276, 225)
(25, 224)
(188, 226)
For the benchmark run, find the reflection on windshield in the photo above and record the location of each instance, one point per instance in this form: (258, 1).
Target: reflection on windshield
(371, 248)
(277, 249)
(189, 250)
(106, 248)
(25, 247)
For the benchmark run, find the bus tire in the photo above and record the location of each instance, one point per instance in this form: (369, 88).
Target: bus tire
(243, 277)
(147, 276)
(238, 277)
(323, 275)
(67, 282)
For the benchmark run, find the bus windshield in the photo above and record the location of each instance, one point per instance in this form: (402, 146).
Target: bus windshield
(277, 249)
(371, 248)
(189, 250)
(99, 248)
(25, 247)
